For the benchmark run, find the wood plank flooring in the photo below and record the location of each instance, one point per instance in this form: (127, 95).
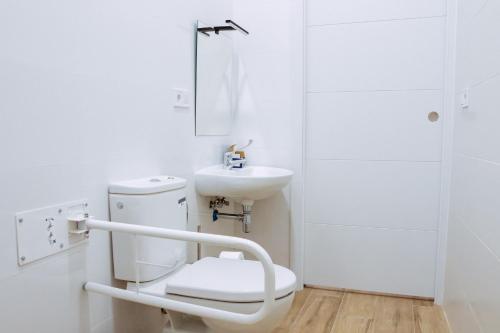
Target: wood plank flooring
(324, 311)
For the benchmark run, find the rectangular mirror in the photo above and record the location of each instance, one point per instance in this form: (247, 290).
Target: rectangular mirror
(214, 83)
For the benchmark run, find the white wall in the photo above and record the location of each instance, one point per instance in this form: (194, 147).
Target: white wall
(472, 292)
(374, 72)
(269, 112)
(85, 99)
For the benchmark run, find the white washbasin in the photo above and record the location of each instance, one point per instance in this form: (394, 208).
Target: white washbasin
(247, 184)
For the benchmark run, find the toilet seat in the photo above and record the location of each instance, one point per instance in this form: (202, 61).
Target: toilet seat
(224, 280)
(228, 280)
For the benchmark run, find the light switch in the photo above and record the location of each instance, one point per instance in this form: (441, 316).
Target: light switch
(464, 99)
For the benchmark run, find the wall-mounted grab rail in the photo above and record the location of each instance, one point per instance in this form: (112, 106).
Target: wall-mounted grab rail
(196, 310)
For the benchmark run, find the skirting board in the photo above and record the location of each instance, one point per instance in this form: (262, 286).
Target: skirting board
(369, 292)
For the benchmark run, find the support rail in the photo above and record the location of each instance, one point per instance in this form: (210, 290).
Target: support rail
(196, 310)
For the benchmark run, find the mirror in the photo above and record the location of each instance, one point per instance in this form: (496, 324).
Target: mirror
(214, 83)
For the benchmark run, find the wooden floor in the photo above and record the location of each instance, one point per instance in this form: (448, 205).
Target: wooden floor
(323, 311)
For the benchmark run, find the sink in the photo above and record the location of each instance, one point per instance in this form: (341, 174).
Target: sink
(242, 185)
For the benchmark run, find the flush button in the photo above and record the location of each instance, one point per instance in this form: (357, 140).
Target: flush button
(155, 180)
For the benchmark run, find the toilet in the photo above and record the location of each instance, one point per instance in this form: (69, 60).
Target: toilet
(235, 285)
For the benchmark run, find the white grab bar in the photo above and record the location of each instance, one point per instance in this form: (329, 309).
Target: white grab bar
(196, 310)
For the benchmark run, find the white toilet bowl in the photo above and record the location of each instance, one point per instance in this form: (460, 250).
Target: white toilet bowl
(229, 284)
(226, 284)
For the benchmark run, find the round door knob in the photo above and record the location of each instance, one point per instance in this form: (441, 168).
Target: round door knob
(433, 116)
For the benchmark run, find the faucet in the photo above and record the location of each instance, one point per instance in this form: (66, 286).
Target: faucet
(231, 163)
(234, 157)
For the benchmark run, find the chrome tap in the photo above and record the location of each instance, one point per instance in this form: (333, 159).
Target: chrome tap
(234, 157)
(230, 162)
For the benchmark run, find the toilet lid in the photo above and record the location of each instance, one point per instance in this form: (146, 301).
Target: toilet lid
(228, 280)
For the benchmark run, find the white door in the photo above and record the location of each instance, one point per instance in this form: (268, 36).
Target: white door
(374, 101)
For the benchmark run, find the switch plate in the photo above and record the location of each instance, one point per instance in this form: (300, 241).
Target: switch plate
(181, 98)
(464, 99)
(45, 231)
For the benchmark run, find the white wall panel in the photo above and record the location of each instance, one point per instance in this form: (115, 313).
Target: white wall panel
(476, 271)
(389, 125)
(390, 55)
(376, 194)
(472, 294)
(477, 128)
(334, 12)
(54, 288)
(476, 198)
(478, 47)
(381, 260)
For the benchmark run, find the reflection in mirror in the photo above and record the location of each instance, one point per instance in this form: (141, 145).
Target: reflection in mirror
(214, 81)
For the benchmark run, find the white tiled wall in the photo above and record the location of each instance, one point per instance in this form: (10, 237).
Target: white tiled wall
(472, 292)
(85, 99)
(374, 73)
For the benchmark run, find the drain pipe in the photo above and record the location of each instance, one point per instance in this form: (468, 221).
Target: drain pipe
(245, 218)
